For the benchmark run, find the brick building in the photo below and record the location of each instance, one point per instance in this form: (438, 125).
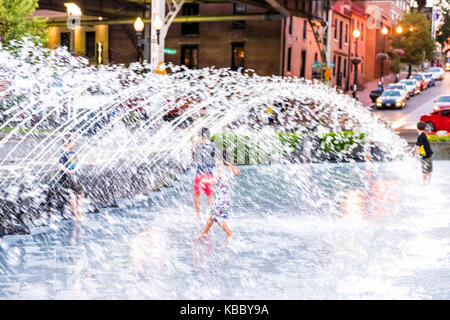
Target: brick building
(264, 41)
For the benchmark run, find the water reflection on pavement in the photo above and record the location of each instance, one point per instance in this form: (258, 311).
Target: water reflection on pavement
(350, 231)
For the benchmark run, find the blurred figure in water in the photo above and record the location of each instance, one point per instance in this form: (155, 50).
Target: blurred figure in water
(203, 153)
(222, 181)
(69, 180)
(68, 163)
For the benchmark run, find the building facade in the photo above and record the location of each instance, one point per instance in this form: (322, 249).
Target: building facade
(283, 46)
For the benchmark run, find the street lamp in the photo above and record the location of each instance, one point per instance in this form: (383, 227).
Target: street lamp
(356, 35)
(157, 25)
(73, 10)
(139, 27)
(399, 29)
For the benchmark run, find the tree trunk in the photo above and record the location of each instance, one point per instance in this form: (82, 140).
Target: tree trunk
(409, 70)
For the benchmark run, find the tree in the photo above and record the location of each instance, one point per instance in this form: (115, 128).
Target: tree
(415, 40)
(15, 24)
(443, 33)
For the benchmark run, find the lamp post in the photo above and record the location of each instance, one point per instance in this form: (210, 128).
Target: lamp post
(356, 35)
(74, 13)
(384, 32)
(158, 54)
(139, 27)
(398, 30)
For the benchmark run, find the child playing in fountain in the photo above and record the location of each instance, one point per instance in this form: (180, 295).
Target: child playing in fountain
(423, 149)
(69, 180)
(222, 181)
(203, 153)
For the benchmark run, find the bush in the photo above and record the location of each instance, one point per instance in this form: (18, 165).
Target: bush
(257, 148)
(435, 137)
(341, 141)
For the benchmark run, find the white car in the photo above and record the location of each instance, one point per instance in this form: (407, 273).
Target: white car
(437, 73)
(412, 86)
(399, 86)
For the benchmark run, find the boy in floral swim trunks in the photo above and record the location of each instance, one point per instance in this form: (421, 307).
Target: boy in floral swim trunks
(222, 181)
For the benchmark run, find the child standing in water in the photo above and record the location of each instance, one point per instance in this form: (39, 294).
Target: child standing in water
(222, 181)
(69, 180)
(203, 154)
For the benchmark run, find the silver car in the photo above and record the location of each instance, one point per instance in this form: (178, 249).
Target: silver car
(399, 86)
(437, 73)
(412, 85)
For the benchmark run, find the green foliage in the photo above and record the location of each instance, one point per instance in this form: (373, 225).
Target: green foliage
(25, 131)
(289, 139)
(257, 147)
(435, 137)
(15, 24)
(341, 141)
(443, 34)
(395, 65)
(415, 40)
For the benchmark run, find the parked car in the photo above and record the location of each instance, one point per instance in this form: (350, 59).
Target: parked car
(412, 85)
(429, 78)
(421, 78)
(442, 102)
(447, 66)
(439, 119)
(399, 86)
(437, 72)
(391, 98)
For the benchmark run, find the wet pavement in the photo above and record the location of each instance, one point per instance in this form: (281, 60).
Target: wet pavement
(311, 231)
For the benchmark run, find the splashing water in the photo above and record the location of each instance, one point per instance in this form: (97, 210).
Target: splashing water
(305, 228)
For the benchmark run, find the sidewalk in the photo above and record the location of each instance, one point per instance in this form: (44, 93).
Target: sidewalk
(363, 95)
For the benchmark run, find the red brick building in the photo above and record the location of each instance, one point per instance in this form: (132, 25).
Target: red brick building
(264, 41)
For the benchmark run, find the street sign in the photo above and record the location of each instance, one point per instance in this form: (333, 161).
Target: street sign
(318, 64)
(170, 51)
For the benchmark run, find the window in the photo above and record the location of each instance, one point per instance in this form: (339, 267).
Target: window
(237, 55)
(190, 28)
(288, 67)
(303, 64)
(315, 57)
(90, 45)
(340, 34)
(65, 40)
(189, 56)
(305, 28)
(345, 68)
(363, 28)
(346, 33)
(334, 68)
(445, 113)
(239, 8)
(339, 73)
(290, 25)
(335, 28)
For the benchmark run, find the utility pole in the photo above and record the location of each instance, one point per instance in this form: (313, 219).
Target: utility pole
(329, 35)
(159, 27)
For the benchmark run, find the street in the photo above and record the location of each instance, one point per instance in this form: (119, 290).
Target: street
(406, 119)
